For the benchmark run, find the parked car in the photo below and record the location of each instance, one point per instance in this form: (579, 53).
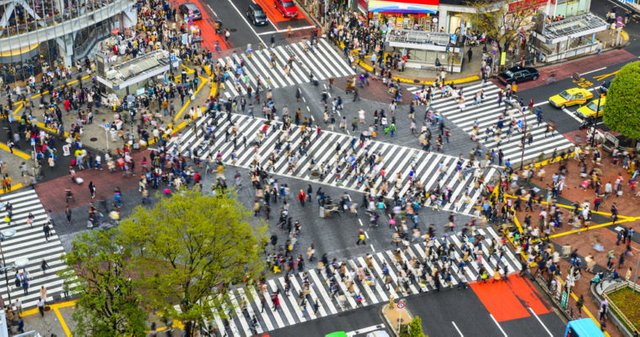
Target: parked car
(569, 97)
(287, 8)
(518, 74)
(589, 109)
(257, 15)
(190, 8)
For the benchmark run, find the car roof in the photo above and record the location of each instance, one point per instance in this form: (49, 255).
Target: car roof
(190, 5)
(575, 90)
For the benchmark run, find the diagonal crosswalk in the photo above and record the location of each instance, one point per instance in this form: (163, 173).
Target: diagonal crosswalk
(280, 154)
(485, 115)
(29, 245)
(244, 71)
(449, 261)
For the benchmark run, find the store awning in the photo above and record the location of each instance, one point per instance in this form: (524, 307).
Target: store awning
(571, 28)
(403, 6)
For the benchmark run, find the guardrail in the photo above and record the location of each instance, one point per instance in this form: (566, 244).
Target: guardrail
(629, 327)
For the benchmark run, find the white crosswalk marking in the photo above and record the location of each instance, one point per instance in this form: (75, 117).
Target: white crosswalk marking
(485, 114)
(322, 60)
(29, 244)
(319, 283)
(454, 174)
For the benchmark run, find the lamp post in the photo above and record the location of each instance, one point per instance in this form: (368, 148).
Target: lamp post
(595, 120)
(5, 234)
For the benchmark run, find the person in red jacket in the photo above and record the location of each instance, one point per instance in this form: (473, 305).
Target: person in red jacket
(302, 197)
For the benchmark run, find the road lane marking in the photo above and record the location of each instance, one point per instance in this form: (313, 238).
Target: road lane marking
(212, 11)
(247, 22)
(365, 330)
(286, 30)
(540, 321)
(457, 329)
(593, 71)
(499, 327)
(372, 248)
(573, 115)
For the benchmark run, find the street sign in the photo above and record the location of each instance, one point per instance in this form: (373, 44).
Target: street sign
(401, 304)
(564, 300)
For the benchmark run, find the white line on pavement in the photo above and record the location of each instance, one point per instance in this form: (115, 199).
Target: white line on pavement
(360, 221)
(212, 11)
(286, 30)
(541, 103)
(499, 327)
(247, 22)
(457, 329)
(570, 113)
(593, 71)
(372, 248)
(540, 321)
(365, 330)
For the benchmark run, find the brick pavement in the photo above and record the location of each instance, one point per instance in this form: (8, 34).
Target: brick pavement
(584, 242)
(52, 192)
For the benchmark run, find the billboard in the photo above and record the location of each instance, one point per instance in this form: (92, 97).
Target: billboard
(403, 6)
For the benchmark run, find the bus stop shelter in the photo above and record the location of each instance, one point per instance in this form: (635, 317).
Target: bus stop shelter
(568, 38)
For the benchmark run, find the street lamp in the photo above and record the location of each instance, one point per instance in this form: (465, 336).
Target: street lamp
(5, 234)
(595, 119)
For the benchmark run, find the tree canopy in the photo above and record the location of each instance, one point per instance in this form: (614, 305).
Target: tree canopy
(622, 108)
(501, 22)
(109, 305)
(189, 249)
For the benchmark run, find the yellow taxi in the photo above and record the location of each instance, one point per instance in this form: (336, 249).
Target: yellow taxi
(589, 109)
(569, 97)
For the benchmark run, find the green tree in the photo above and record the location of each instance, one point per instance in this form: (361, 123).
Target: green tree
(413, 329)
(108, 305)
(622, 109)
(190, 249)
(502, 22)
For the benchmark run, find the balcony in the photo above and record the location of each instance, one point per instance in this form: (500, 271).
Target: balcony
(23, 36)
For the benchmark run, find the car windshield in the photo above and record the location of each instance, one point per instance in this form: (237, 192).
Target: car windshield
(287, 4)
(566, 95)
(592, 106)
(259, 14)
(508, 73)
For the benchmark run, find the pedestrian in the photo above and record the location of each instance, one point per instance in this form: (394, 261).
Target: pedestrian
(25, 284)
(92, 190)
(302, 197)
(43, 293)
(44, 266)
(67, 213)
(579, 304)
(41, 307)
(276, 300)
(361, 237)
(469, 54)
(46, 229)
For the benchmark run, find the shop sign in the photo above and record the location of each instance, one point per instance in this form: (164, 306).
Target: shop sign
(527, 4)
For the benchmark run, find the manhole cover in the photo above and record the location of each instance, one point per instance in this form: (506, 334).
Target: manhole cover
(93, 139)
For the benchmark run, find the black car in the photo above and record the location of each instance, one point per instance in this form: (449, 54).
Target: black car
(191, 9)
(257, 15)
(518, 74)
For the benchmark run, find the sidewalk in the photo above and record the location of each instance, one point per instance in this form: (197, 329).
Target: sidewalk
(470, 70)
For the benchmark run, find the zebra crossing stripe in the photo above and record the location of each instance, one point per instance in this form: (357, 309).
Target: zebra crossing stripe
(396, 159)
(322, 60)
(485, 114)
(28, 243)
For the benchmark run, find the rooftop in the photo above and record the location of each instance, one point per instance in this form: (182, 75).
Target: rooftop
(572, 27)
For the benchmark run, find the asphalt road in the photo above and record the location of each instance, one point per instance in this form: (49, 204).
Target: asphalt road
(233, 15)
(351, 321)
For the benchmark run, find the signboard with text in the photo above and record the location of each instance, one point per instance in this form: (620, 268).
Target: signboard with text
(403, 6)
